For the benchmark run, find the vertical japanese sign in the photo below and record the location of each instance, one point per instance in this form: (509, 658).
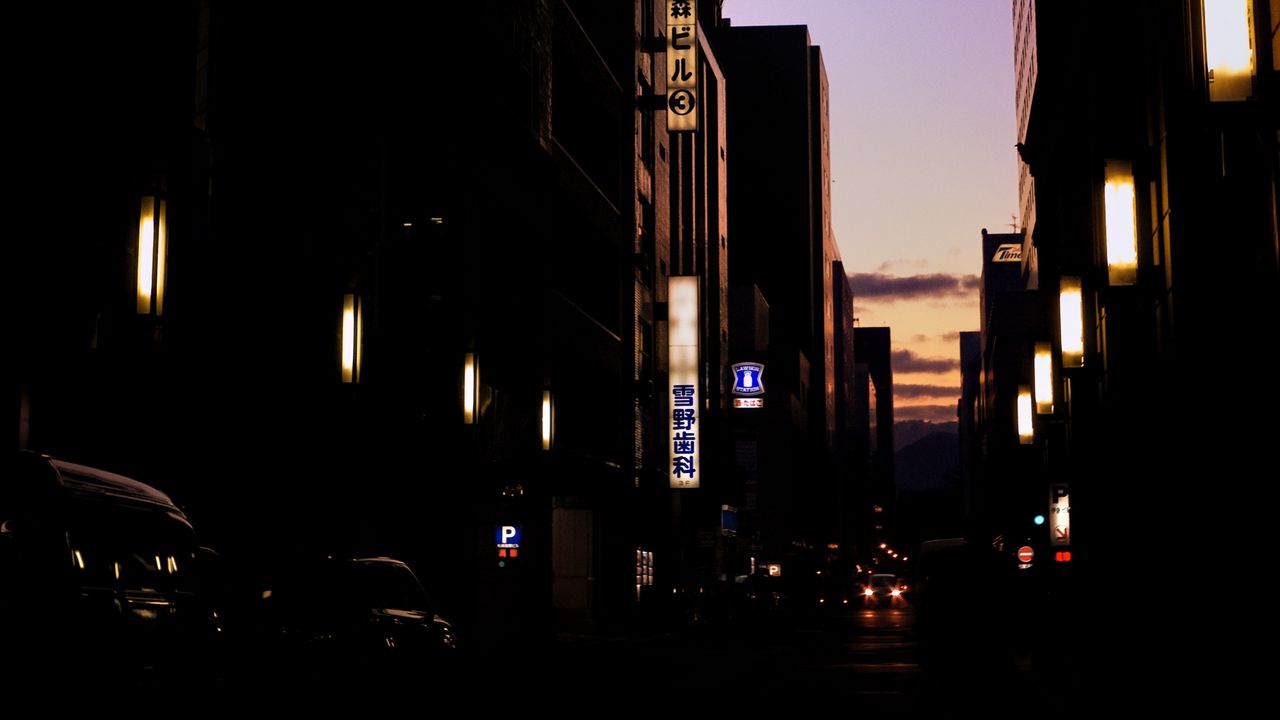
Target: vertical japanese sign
(1060, 512)
(682, 66)
(682, 331)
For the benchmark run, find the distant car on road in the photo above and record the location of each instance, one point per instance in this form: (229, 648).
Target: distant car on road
(883, 589)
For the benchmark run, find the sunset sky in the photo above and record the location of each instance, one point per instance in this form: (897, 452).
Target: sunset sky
(922, 136)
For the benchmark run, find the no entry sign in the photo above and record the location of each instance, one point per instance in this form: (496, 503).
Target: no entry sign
(1025, 553)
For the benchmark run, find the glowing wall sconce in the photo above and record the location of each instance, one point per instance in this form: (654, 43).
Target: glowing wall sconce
(1228, 49)
(352, 337)
(1071, 321)
(1026, 428)
(548, 420)
(153, 242)
(470, 388)
(1120, 210)
(1044, 378)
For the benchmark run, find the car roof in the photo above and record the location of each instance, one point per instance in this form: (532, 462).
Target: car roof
(82, 482)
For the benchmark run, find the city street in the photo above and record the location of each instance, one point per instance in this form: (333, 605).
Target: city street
(863, 660)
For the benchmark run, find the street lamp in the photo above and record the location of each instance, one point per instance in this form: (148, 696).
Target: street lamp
(1228, 49)
(1071, 321)
(548, 420)
(352, 338)
(470, 388)
(1121, 223)
(1026, 429)
(1044, 378)
(153, 242)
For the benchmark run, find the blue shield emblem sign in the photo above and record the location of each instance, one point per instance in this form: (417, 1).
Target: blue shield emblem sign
(748, 379)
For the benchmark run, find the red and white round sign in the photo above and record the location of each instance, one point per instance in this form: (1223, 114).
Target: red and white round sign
(1025, 553)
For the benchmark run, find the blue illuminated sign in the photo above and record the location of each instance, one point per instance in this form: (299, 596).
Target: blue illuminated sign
(508, 536)
(748, 378)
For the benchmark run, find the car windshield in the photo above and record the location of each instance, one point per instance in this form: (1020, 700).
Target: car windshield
(882, 580)
(386, 585)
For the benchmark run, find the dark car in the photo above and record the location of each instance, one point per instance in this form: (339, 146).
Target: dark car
(97, 579)
(351, 618)
(883, 589)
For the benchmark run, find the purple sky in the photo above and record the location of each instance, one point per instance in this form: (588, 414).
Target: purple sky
(922, 135)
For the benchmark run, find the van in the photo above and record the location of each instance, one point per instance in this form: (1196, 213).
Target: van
(97, 578)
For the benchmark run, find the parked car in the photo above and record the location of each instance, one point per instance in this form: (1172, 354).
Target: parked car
(350, 618)
(97, 581)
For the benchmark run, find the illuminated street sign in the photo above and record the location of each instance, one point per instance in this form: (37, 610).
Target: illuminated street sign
(1060, 511)
(682, 333)
(682, 65)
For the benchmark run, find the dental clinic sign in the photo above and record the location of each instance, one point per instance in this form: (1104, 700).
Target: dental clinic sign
(682, 65)
(682, 390)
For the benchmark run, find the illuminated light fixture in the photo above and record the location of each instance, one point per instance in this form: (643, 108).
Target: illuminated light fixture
(470, 388)
(1026, 430)
(1044, 378)
(437, 221)
(352, 337)
(1071, 321)
(153, 246)
(548, 420)
(1121, 213)
(1228, 49)
(1038, 520)
(79, 559)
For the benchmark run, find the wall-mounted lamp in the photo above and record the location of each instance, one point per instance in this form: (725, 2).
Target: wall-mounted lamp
(470, 388)
(1044, 378)
(153, 244)
(1026, 428)
(1120, 210)
(1228, 49)
(548, 420)
(352, 337)
(1071, 321)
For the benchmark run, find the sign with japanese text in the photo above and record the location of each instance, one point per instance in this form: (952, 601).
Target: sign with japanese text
(682, 65)
(682, 333)
(1060, 515)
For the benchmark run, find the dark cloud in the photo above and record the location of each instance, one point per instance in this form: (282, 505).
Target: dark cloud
(953, 336)
(905, 361)
(920, 338)
(907, 390)
(930, 413)
(909, 287)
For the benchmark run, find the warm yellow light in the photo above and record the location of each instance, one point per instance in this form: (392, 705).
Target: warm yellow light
(1228, 49)
(116, 568)
(162, 244)
(1044, 378)
(1026, 432)
(351, 338)
(1121, 223)
(470, 380)
(868, 592)
(1071, 322)
(883, 546)
(79, 559)
(146, 252)
(546, 419)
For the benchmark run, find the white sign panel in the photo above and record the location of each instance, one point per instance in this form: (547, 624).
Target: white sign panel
(1060, 515)
(682, 65)
(682, 333)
